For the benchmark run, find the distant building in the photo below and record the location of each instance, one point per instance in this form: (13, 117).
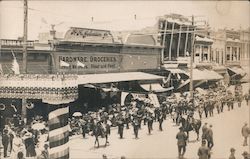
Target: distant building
(245, 47)
(226, 47)
(231, 50)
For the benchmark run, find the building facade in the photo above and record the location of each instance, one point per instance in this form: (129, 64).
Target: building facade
(245, 48)
(226, 48)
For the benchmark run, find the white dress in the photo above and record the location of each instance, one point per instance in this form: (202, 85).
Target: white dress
(17, 147)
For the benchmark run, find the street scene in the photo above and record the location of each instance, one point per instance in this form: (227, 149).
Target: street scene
(124, 80)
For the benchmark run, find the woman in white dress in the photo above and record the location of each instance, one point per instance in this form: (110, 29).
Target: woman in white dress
(17, 145)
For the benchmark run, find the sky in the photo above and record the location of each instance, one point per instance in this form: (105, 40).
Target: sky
(114, 15)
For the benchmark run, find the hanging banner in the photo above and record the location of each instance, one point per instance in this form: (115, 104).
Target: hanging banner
(154, 99)
(123, 96)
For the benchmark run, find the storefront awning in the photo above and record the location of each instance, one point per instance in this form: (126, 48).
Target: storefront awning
(155, 87)
(201, 76)
(205, 75)
(233, 71)
(219, 69)
(116, 77)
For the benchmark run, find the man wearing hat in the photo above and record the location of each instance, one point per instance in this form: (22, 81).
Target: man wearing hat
(150, 122)
(246, 155)
(181, 142)
(29, 144)
(5, 141)
(203, 151)
(120, 123)
(136, 126)
(204, 131)
(245, 131)
(232, 151)
(209, 137)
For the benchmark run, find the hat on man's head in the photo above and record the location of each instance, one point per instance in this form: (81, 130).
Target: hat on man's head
(232, 149)
(5, 130)
(245, 153)
(203, 141)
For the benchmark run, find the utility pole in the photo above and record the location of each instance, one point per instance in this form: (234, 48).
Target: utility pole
(191, 62)
(25, 37)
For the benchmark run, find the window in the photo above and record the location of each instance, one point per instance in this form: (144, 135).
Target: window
(228, 57)
(197, 49)
(228, 50)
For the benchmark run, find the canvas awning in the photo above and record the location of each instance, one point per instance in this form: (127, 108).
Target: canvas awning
(219, 69)
(155, 87)
(233, 71)
(116, 77)
(201, 76)
(205, 75)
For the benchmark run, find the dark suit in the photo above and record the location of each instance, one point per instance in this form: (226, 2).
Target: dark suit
(30, 147)
(181, 142)
(5, 142)
(204, 152)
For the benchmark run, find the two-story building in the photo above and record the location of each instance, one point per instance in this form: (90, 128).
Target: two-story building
(227, 48)
(180, 37)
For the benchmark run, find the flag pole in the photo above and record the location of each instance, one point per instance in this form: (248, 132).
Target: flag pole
(25, 37)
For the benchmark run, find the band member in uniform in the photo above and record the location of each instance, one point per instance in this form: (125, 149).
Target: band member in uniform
(120, 126)
(150, 120)
(160, 120)
(136, 126)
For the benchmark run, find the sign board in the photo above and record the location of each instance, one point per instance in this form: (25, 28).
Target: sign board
(90, 62)
(88, 35)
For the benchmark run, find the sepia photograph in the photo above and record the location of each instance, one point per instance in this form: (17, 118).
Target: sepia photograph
(123, 79)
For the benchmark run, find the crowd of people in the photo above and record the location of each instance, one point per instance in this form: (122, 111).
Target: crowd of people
(20, 141)
(24, 140)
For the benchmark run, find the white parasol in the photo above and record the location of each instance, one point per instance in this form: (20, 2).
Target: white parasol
(38, 126)
(77, 114)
